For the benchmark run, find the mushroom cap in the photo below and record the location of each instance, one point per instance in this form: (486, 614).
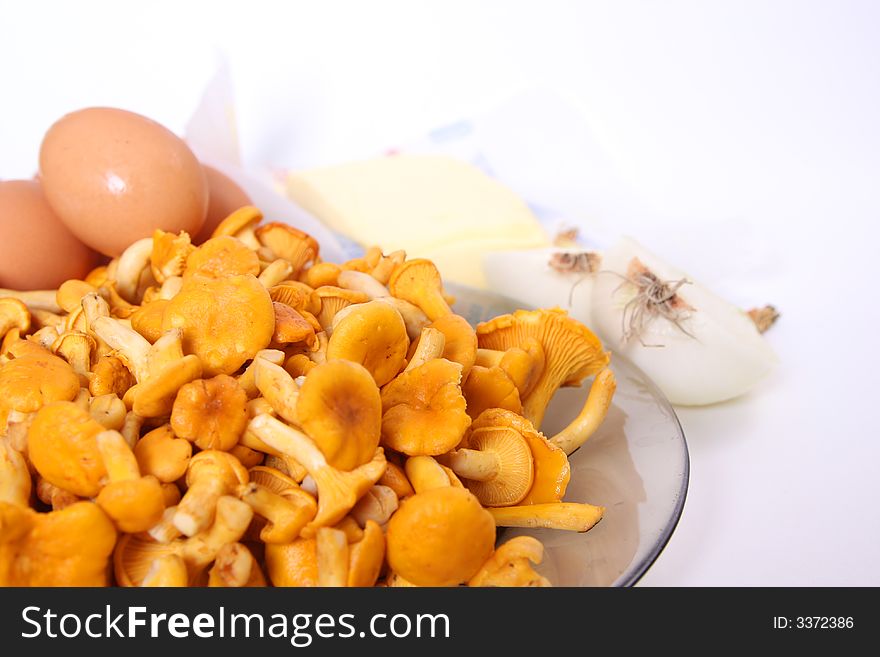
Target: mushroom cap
(367, 556)
(516, 469)
(14, 314)
(169, 255)
(293, 564)
(299, 365)
(511, 565)
(322, 273)
(333, 299)
(147, 320)
(524, 365)
(70, 547)
(62, 447)
(461, 341)
(36, 378)
(110, 375)
(272, 479)
(297, 295)
(155, 396)
(161, 454)
(212, 413)
(340, 408)
(134, 505)
(70, 293)
(571, 350)
(244, 217)
(374, 335)
(440, 537)
(489, 387)
(291, 327)
(287, 242)
(424, 410)
(552, 470)
(419, 282)
(222, 256)
(225, 321)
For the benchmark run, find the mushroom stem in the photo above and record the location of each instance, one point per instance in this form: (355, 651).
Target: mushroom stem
(127, 341)
(235, 566)
(232, 519)
(488, 357)
(560, 515)
(170, 287)
(277, 271)
(166, 350)
(165, 531)
(332, 557)
(378, 505)
(475, 465)
(289, 441)
(413, 316)
(15, 480)
(109, 411)
(591, 416)
(166, 571)
(94, 306)
(338, 491)
(425, 473)
(431, 345)
(131, 263)
(119, 460)
(278, 387)
(287, 515)
(131, 428)
(34, 299)
(361, 282)
(246, 378)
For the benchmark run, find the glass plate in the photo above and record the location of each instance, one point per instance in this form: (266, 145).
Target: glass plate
(636, 466)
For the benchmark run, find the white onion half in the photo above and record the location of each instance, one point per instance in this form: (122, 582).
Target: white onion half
(725, 357)
(526, 276)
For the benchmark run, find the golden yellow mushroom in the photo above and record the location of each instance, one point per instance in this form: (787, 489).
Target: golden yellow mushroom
(284, 241)
(222, 256)
(135, 553)
(461, 341)
(235, 566)
(225, 321)
(571, 350)
(591, 416)
(440, 537)
(70, 547)
(212, 413)
(374, 335)
(32, 379)
(424, 410)
(571, 516)
(490, 387)
(293, 564)
(62, 447)
(169, 254)
(511, 565)
(162, 454)
(210, 475)
(340, 408)
(241, 224)
(418, 282)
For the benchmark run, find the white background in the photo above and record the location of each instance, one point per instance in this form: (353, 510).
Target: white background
(745, 132)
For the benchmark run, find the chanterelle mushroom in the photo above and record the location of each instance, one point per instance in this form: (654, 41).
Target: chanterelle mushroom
(338, 490)
(70, 547)
(284, 241)
(62, 447)
(212, 413)
(511, 565)
(32, 380)
(374, 335)
(210, 475)
(571, 350)
(340, 408)
(418, 282)
(222, 256)
(440, 537)
(225, 321)
(424, 410)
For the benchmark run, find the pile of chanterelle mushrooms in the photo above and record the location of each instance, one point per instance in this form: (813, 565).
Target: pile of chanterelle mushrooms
(241, 412)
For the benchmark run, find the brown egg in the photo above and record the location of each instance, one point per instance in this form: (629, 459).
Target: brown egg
(37, 251)
(114, 177)
(225, 197)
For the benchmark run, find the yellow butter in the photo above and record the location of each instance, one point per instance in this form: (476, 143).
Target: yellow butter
(431, 206)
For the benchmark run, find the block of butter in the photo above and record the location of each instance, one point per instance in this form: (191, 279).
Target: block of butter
(431, 206)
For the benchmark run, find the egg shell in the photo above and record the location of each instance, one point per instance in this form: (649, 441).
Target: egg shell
(225, 196)
(37, 251)
(115, 176)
